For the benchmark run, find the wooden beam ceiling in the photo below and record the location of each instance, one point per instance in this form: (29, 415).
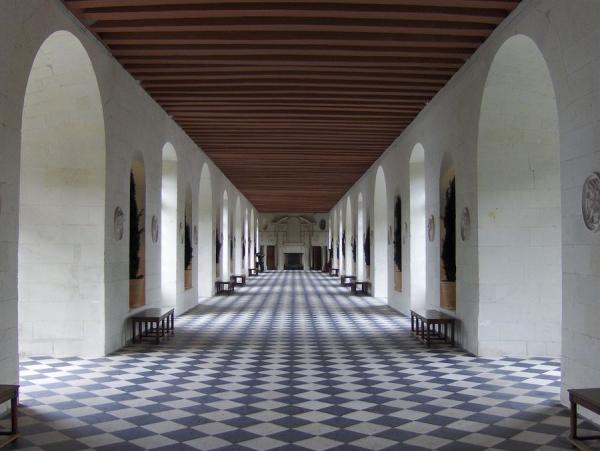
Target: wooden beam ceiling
(293, 100)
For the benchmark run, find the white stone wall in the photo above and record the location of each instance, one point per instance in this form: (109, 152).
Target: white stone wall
(567, 34)
(134, 125)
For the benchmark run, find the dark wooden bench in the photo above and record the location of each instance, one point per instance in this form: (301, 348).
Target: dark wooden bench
(238, 280)
(590, 399)
(360, 286)
(155, 322)
(224, 287)
(252, 272)
(10, 393)
(346, 281)
(334, 272)
(428, 320)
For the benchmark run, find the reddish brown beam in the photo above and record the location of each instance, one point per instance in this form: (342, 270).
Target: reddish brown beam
(506, 5)
(276, 24)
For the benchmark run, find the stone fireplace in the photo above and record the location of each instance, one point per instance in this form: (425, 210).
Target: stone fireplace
(293, 260)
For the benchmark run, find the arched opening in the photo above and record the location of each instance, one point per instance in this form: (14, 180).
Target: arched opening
(168, 234)
(251, 243)
(350, 243)
(519, 206)
(137, 234)
(237, 237)
(380, 236)
(245, 243)
(204, 247)
(341, 242)
(360, 238)
(224, 238)
(447, 231)
(418, 258)
(62, 205)
(334, 242)
(188, 247)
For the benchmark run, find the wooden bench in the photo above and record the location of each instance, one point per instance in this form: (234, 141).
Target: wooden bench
(10, 393)
(252, 272)
(428, 320)
(590, 399)
(238, 280)
(334, 272)
(224, 287)
(346, 281)
(360, 286)
(156, 322)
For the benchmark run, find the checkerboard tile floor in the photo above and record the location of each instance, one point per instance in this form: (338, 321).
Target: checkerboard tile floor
(291, 362)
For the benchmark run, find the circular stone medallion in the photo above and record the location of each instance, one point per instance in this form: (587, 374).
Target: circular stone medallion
(118, 224)
(590, 202)
(431, 228)
(154, 229)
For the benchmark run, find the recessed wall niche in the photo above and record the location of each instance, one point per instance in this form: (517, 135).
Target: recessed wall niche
(447, 234)
(188, 250)
(137, 239)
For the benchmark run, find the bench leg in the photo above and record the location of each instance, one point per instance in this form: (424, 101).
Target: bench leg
(133, 329)
(14, 405)
(452, 336)
(428, 334)
(412, 323)
(157, 332)
(573, 432)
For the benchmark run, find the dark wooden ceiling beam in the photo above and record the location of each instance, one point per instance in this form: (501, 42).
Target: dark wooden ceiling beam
(506, 5)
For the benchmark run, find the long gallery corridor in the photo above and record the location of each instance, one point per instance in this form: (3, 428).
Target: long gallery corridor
(291, 362)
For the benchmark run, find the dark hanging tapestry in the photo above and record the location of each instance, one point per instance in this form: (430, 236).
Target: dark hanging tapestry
(243, 247)
(398, 244)
(367, 246)
(449, 244)
(344, 244)
(188, 251)
(217, 246)
(337, 249)
(354, 249)
(135, 231)
(231, 249)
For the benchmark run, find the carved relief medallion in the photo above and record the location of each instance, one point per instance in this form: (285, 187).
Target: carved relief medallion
(118, 224)
(465, 224)
(431, 228)
(590, 202)
(154, 229)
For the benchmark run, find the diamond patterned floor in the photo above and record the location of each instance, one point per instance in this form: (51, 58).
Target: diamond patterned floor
(291, 362)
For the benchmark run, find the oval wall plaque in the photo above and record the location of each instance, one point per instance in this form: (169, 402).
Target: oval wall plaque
(154, 229)
(465, 224)
(118, 224)
(590, 202)
(431, 228)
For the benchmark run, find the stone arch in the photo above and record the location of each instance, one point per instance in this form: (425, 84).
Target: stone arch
(360, 237)
(204, 248)
(237, 237)
(418, 238)
(519, 205)
(380, 236)
(168, 223)
(62, 206)
(349, 238)
(225, 269)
